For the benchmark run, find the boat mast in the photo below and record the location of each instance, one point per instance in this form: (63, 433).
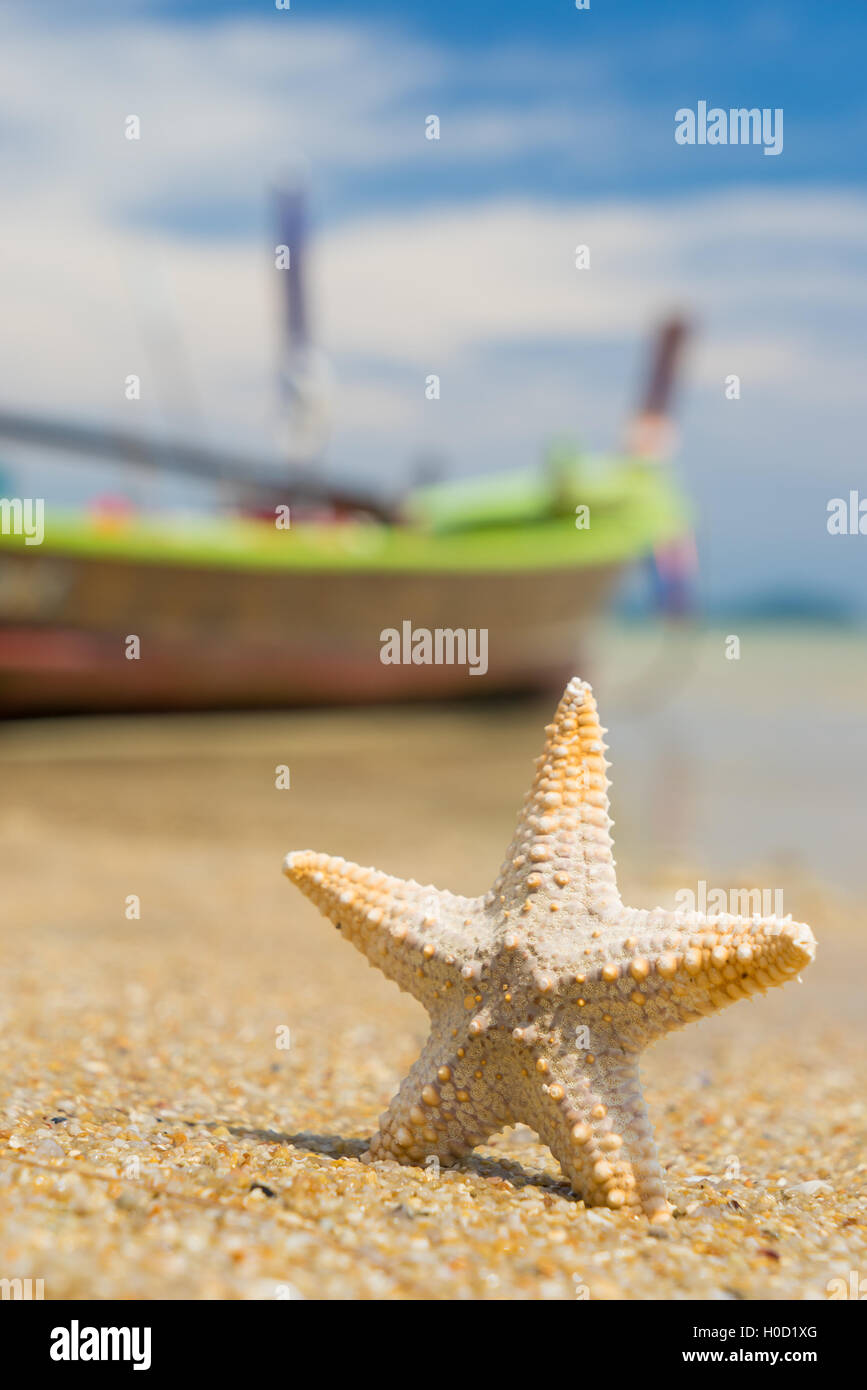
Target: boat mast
(650, 434)
(305, 378)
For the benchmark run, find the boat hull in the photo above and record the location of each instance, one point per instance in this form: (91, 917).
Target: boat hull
(217, 637)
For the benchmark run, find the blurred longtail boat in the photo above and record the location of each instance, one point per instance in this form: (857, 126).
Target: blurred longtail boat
(237, 611)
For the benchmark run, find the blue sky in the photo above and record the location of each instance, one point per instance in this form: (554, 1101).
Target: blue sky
(645, 59)
(457, 256)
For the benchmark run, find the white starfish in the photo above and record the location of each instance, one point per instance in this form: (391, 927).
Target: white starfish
(543, 994)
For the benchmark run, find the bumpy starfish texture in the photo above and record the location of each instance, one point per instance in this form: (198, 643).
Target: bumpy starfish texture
(543, 993)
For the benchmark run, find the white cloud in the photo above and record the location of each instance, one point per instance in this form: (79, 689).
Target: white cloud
(482, 290)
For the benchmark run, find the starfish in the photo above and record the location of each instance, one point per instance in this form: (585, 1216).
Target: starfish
(543, 993)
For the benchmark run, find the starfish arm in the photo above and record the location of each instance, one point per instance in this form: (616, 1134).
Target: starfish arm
(590, 1111)
(675, 967)
(562, 853)
(449, 1103)
(427, 941)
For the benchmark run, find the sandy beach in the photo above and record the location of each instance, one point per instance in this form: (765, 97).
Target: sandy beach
(186, 1094)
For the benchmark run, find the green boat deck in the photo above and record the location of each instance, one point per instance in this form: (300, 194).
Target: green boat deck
(506, 523)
